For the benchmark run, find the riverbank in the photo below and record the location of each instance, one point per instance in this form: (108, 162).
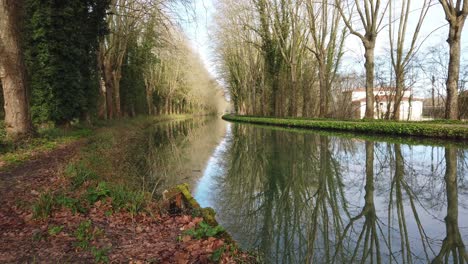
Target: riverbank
(50, 138)
(430, 129)
(77, 202)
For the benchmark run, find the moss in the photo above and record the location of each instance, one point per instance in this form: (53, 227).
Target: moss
(184, 190)
(208, 214)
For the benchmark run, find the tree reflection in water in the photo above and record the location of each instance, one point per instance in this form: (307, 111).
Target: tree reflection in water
(315, 198)
(453, 248)
(174, 152)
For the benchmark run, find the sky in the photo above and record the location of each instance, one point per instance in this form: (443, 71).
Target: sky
(198, 32)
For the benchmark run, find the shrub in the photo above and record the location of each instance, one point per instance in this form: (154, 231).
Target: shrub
(79, 174)
(43, 207)
(204, 230)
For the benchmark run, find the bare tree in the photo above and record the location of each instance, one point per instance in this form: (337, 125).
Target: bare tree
(370, 17)
(455, 14)
(12, 71)
(399, 56)
(327, 45)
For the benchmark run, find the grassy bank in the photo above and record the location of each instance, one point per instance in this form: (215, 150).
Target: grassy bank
(431, 129)
(49, 138)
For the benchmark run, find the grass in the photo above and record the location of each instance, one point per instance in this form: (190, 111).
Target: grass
(457, 130)
(14, 153)
(49, 137)
(85, 233)
(99, 173)
(55, 230)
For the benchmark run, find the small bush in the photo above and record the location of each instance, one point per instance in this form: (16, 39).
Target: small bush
(98, 193)
(204, 230)
(79, 174)
(123, 198)
(71, 203)
(43, 207)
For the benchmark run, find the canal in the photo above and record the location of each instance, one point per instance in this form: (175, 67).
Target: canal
(301, 196)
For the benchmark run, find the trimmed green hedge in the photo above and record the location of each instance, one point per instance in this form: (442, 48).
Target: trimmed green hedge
(449, 130)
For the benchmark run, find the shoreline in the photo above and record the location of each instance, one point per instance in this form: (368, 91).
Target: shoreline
(434, 130)
(77, 203)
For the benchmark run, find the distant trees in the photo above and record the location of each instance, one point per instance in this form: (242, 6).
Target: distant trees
(12, 71)
(327, 46)
(264, 57)
(283, 57)
(145, 64)
(81, 59)
(401, 54)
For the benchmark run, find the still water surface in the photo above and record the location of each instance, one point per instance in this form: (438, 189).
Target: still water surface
(309, 197)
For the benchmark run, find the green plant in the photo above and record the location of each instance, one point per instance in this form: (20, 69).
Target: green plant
(43, 206)
(71, 203)
(217, 254)
(97, 193)
(79, 174)
(123, 198)
(55, 230)
(204, 230)
(84, 234)
(100, 254)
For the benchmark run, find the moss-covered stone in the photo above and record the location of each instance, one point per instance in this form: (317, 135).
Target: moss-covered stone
(181, 197)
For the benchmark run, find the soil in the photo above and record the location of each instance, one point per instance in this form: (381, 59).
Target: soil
(120, 237)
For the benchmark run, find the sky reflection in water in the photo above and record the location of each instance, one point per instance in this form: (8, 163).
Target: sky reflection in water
(303, 197)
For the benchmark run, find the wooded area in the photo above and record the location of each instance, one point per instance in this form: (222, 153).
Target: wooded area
(75, 61)
(283, 57)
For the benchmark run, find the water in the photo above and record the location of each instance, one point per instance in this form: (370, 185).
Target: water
(308, 197)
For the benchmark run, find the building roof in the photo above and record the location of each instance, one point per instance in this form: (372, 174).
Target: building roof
(384, 99)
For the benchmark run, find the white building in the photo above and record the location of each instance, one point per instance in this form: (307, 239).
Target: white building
(410, 107)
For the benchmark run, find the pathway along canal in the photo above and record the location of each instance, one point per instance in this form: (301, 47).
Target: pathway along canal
(299, 196)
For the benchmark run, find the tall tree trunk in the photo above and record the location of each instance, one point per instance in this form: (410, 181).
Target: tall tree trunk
(116, 76)
(451, 107)
(109, 83)
(149, 100)
(399, 93)
(102, 109)
(12, 71)
(369, 65)
(306, 101)
(293, 102)
(456, 16)
(323, 90)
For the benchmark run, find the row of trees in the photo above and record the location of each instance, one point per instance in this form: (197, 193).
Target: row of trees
(80, 60)
(282, 57)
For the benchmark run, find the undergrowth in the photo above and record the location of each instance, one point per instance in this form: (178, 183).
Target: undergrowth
(204, 230)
